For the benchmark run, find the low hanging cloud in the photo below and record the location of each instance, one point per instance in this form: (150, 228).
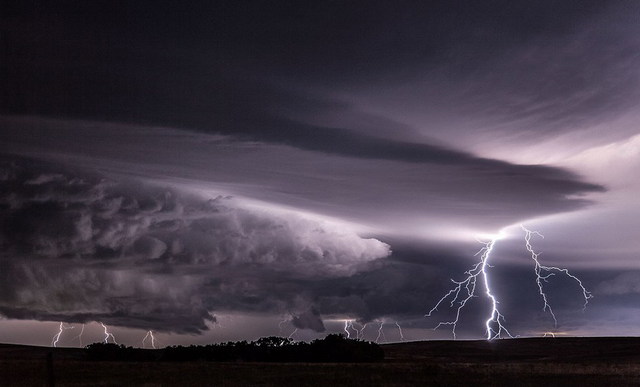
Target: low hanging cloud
(79, 247)
(309, 319)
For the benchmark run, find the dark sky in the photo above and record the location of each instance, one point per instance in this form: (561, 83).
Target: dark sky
(229, 169)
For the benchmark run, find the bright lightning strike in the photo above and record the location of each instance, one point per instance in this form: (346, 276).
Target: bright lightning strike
(150, 336)
(56, 337)
(544, 272)
(108, 334)
(350, 325)
(466, 289)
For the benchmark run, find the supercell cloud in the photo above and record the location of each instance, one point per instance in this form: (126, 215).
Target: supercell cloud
(164, 167)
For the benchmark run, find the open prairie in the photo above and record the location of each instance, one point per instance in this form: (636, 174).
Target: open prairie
(512, 362)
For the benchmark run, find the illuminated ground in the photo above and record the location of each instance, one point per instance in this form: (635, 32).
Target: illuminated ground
(521, 362)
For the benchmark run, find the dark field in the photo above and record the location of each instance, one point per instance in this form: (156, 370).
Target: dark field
(513, 362)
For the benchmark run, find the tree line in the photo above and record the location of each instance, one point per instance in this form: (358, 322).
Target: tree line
(333, 348)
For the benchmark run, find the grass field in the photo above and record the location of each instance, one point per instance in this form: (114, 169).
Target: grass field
(513, 362)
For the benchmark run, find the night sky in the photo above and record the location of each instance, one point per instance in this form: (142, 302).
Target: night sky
(225, 170)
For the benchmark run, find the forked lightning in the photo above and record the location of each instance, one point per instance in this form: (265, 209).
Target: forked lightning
(465, 290)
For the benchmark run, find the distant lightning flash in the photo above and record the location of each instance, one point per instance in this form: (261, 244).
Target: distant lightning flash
(79, 337)
(400, 331)
(56, 337)
(108, 334)
(149, 335)
(381, 332)
(466, 289)
(283, 323)
(360, 335)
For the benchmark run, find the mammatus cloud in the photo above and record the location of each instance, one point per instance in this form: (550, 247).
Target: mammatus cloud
(80, 246)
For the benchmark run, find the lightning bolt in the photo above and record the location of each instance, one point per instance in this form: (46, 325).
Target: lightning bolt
(544, 272)
(292, 333)
(549, 334)
(108, 334)
(56, 337)
(400, 331)
(285, 321)
(149, 335)
(380, 332)
(281, 325)
(348, 324)
(360, 335)
(464, 290)
(79, 337)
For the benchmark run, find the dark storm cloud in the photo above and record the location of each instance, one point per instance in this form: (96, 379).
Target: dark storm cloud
(343, 39)
(246, 69)
(81, 246)
(361, 111)
(78, 246)
(554, 84)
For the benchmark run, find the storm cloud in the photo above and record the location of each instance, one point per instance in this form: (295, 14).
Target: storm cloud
(84, 246)
(163, 166)
(384, 194)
